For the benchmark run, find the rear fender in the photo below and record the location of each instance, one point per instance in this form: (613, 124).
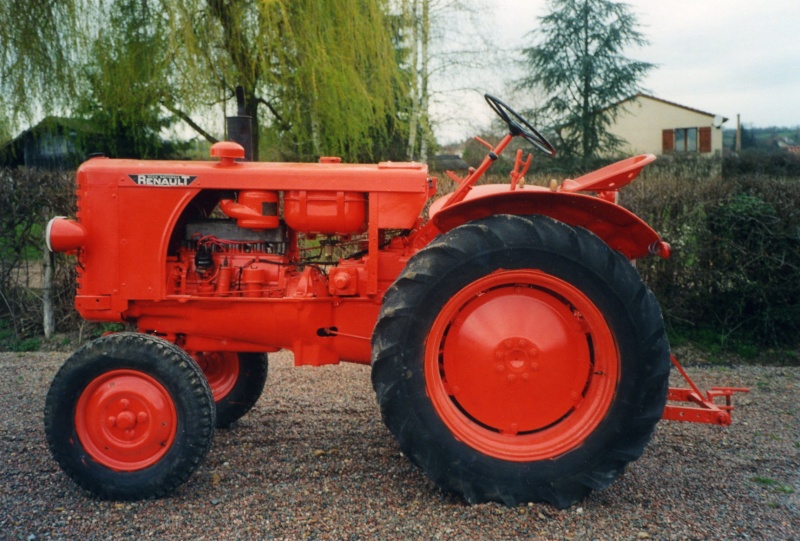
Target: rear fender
(619, 228)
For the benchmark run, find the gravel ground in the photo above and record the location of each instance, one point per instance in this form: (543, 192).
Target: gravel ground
(314, 461)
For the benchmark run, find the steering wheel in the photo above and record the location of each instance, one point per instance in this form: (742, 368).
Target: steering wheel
(519, 126)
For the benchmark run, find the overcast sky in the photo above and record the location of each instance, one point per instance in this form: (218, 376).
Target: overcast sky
(720, 56)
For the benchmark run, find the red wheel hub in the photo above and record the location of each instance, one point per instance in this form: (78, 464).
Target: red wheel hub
(521, 365)
(126, 420)
(221, 369)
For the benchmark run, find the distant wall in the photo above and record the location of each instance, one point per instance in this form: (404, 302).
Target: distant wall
(642, 121)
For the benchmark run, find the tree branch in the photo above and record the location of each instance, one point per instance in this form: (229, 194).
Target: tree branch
(196, 127)
(278, 117)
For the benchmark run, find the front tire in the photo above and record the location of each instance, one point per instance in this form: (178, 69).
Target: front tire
(519, 359)
(129, 416)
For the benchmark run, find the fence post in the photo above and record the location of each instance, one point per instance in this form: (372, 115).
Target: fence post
(47, 293)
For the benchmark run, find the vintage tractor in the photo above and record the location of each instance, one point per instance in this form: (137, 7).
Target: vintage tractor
(516, 353)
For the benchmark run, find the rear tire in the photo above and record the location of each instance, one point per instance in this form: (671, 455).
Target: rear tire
(519, 359)
(129, 416)
(236, 380)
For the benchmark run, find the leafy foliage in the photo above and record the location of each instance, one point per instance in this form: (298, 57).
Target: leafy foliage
(36, 64)
(126, 76)
(735, 267)
(320, 76)
(579, 64)
(343, 87)
(763, 162)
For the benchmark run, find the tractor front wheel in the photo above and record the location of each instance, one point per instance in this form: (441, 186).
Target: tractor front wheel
(129, 416)
(519, 359)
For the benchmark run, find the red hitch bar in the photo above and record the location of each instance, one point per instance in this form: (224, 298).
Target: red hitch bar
(703, 410)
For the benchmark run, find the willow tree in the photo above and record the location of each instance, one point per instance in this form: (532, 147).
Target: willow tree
(320, 76)
(126, 77)
(344, 89)
(37, 43)
(579, 64)
(95, 60)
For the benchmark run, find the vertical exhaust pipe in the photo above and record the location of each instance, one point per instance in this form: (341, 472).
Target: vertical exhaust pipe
(240, 126)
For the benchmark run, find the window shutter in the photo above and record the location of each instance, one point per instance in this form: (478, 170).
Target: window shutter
(705, 139)
(668, 140)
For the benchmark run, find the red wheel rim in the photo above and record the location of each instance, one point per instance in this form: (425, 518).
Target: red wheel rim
(126, 420)
(521, 365)
(221, 369)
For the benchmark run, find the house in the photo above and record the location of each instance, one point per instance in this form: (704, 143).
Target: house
(53, 143)
(650, 125)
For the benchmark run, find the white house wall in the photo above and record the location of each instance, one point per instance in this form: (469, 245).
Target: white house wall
(642, 120)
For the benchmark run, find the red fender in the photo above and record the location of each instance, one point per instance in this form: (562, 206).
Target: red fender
(619, 228)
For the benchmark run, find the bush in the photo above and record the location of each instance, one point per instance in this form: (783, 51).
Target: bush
(774, 163)
(28, 199)
(735, 267)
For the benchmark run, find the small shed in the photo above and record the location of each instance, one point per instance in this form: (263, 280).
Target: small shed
(650, 125)
(53, 143)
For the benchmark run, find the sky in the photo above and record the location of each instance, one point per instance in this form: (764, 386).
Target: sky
(724, 57)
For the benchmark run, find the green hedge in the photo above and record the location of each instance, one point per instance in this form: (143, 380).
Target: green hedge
(734, 274)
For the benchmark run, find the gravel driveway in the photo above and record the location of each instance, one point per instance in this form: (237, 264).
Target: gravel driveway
(314, 461)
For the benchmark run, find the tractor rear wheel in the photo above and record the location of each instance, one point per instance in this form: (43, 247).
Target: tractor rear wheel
(519, 359)
(129, 416)
(236, 380)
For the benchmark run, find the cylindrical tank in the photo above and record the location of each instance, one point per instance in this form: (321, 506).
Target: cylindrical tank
(325, 212)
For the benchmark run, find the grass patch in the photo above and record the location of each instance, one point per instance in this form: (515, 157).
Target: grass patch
(774, 484)
(10, 342)
(721, 349)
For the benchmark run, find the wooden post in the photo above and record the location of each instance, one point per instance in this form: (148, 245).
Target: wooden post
(738, 133)
(47, 294)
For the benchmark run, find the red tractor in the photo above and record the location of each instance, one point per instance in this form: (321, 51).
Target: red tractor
(516, 353)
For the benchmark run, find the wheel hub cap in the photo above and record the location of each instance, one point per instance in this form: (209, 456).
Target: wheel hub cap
(521, 365)
(126, 420)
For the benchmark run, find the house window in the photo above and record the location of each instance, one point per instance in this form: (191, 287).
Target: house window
(686, 140)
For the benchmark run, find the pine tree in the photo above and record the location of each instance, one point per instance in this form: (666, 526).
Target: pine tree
(579, 64)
